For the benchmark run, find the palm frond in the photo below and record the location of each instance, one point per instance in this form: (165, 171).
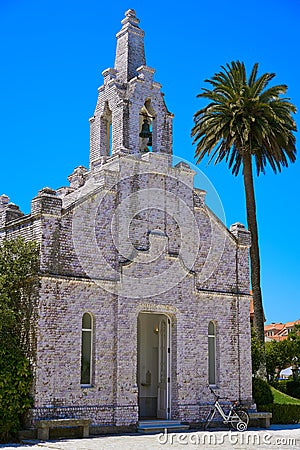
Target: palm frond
(245, 115)
(253, 75)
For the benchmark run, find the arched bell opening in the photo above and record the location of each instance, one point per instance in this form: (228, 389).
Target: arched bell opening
(147, 127)
(106, 131)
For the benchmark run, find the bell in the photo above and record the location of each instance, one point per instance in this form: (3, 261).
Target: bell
(145, 131)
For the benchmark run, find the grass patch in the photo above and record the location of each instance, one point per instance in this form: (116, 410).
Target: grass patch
(283, 399)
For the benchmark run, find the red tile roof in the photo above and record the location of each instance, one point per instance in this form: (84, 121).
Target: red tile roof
(279, 331)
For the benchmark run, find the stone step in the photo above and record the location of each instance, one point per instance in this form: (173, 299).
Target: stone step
(158, 426)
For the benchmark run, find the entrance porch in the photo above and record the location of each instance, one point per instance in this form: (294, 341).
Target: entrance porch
(154, 366)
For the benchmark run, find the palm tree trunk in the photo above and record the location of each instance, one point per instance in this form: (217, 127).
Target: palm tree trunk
(258, 320)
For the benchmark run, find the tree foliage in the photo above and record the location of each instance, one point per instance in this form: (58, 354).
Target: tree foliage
(280, 354)
(15, 384)
(294, 338)
(243, 117)
(19, 264)
(246, 123)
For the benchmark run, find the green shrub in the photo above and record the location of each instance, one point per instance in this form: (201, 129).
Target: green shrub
(293, 388)
(289, 387)
(282, 414)
(262, 393)
(280, 385)
(15, 383)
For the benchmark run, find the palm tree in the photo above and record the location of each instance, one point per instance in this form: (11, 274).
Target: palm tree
(246, 122)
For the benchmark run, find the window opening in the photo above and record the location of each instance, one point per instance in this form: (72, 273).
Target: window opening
(211, 353)
(106, 131)
(86, 349)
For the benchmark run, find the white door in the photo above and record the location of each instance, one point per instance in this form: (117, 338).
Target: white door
(164, 382)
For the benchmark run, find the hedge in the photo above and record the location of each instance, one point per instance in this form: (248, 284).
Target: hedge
(282, 413)
(289, 387)
(262, 393)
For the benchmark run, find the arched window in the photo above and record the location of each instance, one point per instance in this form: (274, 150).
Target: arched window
(211, 353)
(106, 131)
(86, 349)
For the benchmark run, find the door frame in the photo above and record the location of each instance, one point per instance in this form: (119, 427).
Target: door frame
(169, 360)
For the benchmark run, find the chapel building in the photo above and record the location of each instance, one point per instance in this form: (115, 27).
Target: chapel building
(144, 293)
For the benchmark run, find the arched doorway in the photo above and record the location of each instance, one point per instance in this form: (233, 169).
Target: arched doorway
(153, 369)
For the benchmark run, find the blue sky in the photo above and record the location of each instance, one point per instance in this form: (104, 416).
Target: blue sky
(52, 55)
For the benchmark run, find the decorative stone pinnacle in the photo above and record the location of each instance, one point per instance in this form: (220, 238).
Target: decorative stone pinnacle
(241, 233)
(130, 12)
(4, 199)
(130, 17)
(46, 191)
(130, 53)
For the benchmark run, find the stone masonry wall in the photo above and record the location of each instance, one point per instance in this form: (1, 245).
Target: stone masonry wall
(190, 302)
(115, 355)
(85, 274)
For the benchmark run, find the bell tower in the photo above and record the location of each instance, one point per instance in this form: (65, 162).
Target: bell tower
(131, 116)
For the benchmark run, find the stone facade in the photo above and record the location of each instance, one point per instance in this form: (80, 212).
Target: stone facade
(132, 243)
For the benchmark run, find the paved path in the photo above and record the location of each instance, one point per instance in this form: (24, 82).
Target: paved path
(284, 437)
